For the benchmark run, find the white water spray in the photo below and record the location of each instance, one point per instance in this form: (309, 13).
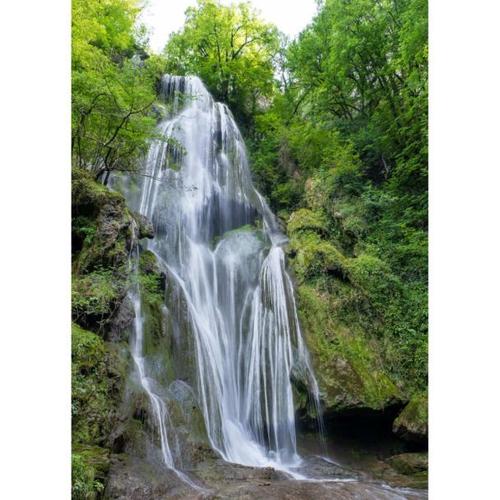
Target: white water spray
(221, 247)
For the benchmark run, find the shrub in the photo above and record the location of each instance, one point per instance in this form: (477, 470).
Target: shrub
(84, 486)
(94, 297)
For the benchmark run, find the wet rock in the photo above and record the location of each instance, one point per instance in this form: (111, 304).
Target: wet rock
(412, 422)
(144, 225)
(385, 472)
(409, 463)
(292, 490)
(187, 420)
(121, 321)
(132, 479)
(229, 481)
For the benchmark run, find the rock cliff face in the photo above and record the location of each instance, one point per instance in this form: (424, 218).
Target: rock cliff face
(346, 356)
(111, 417)
(344, 300)
(114, 443)
(352, 377)
(103, 230)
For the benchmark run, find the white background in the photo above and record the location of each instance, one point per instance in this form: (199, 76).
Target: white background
(35, 213)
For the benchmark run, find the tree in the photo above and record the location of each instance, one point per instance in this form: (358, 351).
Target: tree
(345, 141)
(362, 65)
(113, 88)
(232, 51)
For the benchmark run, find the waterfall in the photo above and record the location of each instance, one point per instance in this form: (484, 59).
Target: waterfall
(221, 249)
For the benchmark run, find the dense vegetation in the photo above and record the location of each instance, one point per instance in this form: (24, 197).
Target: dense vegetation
(113, 86)
(344, 148)
(113, 90)
(336, 123)
(231, 50)
(336, 127)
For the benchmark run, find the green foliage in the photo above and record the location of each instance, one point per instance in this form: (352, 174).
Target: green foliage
(94, 295)
(313, 256)
(84, 486)
(90, 387)
(347, 135)
(348, 364)
(306, 220)
(232, 51)
(112, 91)
(415, 414)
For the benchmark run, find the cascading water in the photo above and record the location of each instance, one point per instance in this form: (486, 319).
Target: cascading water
(221, 249)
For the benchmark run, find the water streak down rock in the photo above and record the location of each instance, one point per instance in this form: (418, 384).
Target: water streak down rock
(221, 249)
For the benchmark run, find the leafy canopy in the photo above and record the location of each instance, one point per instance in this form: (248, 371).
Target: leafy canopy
(113, 88)
(231, 49)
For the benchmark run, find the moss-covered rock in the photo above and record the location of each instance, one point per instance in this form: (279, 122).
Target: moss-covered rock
(412, 422)
(350, 373)
(97, 376)
(157, 343)
(87, 481)
(144, 226)
(103, 218)
(305, 219)
(374, 278)
(103, 232)
(409, 463)
(94, 298)
(313, 256)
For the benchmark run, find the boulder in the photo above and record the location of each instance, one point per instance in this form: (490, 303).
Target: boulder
(412, 423)
(409, 463)
(144, 225)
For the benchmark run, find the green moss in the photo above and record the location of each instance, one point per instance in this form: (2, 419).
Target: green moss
(148, 262)
(156, 345)
(85, 484)
(97, 372)
(90, 403)
(313, 256)
(87, 195)
(374, 277)
(412, 422)
(306, 220)
(409, 463)
(101, 225)
(102, 232)
(242, 229)
(256, 228)
(347, 364)
(94, 297)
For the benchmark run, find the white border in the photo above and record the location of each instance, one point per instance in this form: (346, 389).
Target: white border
(464, 258)
(35, 249)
